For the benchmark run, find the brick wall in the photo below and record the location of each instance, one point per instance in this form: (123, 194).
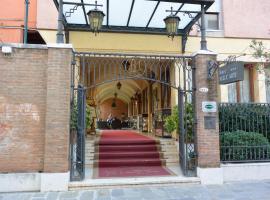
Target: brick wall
(207, 139)
(106, 109)
(34, 103)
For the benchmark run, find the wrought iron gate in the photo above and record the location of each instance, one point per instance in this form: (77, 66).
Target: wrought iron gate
(91, 70)
(77, 147)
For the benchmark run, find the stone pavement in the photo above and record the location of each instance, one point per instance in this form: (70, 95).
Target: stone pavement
(231, 191)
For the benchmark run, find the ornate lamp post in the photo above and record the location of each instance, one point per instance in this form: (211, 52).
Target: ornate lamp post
(172, 23)
(95, 17)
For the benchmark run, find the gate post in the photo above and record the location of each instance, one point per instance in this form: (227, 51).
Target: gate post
(182, 133)
(207, 129)
(57, 115)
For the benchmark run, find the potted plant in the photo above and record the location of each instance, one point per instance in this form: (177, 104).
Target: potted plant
(74, 120)
(169, 126)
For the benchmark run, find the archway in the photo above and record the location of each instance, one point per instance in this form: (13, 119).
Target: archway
(95, 79)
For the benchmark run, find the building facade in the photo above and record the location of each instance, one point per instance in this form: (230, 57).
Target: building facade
(230, 30)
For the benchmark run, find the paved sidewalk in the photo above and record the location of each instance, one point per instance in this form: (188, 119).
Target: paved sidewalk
(232, 191)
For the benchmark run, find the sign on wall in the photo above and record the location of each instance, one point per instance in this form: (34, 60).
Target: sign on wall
(209, 106)
(231, 72)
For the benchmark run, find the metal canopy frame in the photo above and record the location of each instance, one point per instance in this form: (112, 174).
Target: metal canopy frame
(107, 27)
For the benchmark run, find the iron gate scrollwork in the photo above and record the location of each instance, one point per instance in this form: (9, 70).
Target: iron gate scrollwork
(90, 70)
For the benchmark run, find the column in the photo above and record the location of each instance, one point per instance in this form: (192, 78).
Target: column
(207, 128)
(56, 147)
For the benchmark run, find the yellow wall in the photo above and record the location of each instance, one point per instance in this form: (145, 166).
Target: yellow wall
(161, 44)
(224, 47)
(146, 43)
(123, 42)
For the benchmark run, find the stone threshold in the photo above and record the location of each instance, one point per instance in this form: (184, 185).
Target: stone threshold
(129, 182)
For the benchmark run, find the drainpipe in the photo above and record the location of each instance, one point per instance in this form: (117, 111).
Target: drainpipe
(60, 34)
(203, 34)
(26, 22)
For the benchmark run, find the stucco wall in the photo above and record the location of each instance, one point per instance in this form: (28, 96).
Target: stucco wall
(246, 18)
(123, 42)
(12, 19)
(46, 15)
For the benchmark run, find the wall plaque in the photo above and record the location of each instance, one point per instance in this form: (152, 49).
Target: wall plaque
(209, 122)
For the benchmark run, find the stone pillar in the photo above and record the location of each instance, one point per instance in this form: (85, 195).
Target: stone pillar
(56, 154)
(207, 135)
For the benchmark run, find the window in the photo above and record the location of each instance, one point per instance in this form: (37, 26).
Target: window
(211, 21)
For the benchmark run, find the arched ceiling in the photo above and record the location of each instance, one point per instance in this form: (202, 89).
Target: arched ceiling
(128, 89)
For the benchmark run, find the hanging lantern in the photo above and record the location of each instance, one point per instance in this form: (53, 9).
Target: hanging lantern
(118, 85)
(113, 104)
(125, 65)
(95, 17)
(172, 23)
(136, 96)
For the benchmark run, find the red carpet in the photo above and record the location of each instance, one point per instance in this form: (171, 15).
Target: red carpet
(124, 153)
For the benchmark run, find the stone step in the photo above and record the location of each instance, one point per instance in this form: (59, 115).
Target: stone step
(132, 182)
(167, 148)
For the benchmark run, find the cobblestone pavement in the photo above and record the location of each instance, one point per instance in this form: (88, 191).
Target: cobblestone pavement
(232, 191)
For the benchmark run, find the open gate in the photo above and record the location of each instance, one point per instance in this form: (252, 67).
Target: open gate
(90, 70)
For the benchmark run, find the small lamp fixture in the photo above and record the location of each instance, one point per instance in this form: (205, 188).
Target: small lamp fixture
(126, 65)
(95, 17)
(113, 104)
(118, 85)
(172, 23)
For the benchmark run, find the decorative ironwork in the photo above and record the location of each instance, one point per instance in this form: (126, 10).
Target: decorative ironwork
(95, 69)
(244, 132)
(71, 11)
(212, 67)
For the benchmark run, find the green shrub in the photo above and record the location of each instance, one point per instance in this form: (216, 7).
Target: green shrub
(240, 145)
(169, 124)
(74, 117)
(172, 121)
(246, 117)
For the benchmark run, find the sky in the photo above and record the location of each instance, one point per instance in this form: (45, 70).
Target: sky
(142, 10)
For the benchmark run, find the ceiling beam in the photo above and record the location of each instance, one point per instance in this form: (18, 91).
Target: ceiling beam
(150, 19)
(179, 9)
(108, 6)
(84, 12)
(205, 2)
(123, 29)
(130, 12)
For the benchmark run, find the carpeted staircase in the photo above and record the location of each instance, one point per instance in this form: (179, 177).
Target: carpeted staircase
(121, 153)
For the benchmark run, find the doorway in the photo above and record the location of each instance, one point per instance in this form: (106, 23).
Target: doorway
(147, 86)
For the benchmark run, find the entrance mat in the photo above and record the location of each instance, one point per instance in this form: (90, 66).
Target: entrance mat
(124, 153)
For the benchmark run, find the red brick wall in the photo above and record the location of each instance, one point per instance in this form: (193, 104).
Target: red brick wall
(207, 139)
(26, 125)
(106, 109)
